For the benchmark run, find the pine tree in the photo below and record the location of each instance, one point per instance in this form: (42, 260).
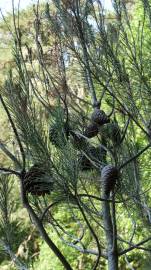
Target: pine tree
(79, 108)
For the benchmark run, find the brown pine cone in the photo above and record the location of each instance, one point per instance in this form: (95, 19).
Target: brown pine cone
(91, 130)
(37, 181)
(99, 117)
(109, 176)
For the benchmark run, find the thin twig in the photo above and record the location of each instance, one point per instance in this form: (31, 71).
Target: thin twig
(10, 155)
(133, 246)
(10, 171)
(135, 156)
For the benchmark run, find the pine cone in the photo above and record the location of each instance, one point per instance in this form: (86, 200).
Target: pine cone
(37, 181)
(59, 137)
(99, 117)
(109, 176)
(91, 130)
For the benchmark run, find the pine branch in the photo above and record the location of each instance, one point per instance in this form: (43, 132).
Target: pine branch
(41, 229)
(15, 131)
(133, 246)
(135, 156)
(10, 171)
(10, 155)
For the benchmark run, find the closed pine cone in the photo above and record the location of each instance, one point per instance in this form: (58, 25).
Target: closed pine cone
(59, 137)
(91, 130)
(109, 176)
(37, 181)
(98, 116)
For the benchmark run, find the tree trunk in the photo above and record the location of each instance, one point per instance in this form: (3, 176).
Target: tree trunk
(111, 238)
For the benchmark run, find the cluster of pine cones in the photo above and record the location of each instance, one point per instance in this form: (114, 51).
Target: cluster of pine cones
(100, 123)
(39, 182)
(98, 118)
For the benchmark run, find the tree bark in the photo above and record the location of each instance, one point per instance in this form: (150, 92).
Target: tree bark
(111, 238)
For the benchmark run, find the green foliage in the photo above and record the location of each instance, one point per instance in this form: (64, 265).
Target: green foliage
(46, 257)
(43, 95)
